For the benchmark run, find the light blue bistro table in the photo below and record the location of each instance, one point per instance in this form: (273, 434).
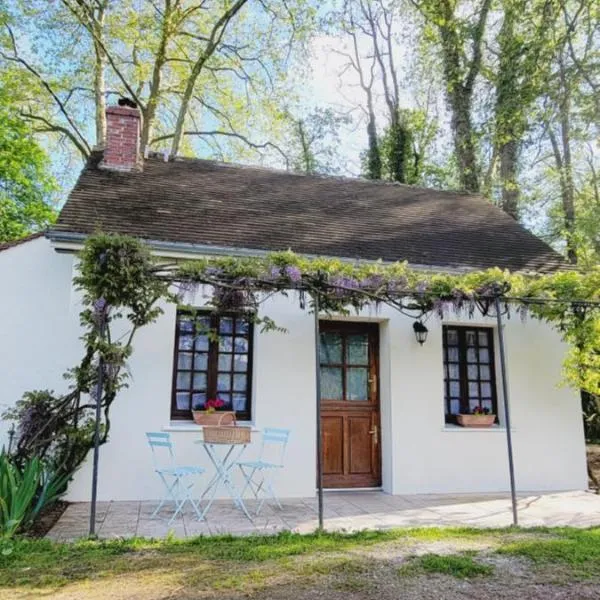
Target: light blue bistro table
(224, 456)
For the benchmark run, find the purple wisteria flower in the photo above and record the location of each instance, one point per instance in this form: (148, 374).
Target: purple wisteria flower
(372, 282)
(293, 273)
(275, 273)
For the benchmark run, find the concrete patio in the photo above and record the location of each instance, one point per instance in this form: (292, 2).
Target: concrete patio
(344, 511)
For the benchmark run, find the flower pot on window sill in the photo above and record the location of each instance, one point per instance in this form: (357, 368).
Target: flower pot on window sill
(475, 420)
(222, 417)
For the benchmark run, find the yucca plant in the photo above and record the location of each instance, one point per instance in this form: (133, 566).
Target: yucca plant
(18, 489)
(24, 492)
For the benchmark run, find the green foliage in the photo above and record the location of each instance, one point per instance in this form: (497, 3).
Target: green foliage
(25, 184)
(315, 140)
(461, 566)
(24, 492)
(120, 288)
(576, 549)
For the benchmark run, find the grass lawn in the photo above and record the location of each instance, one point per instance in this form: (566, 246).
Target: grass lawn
(412, 563)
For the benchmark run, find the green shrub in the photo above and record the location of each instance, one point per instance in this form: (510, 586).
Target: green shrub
(24, 492)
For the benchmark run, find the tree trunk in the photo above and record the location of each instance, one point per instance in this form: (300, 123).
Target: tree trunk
(509, 157)
(464, 143)
(99, 80)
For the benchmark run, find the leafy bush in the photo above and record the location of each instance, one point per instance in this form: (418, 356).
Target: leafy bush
(24, 492)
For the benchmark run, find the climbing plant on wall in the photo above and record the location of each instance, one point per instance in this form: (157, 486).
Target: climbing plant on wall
(122, 288)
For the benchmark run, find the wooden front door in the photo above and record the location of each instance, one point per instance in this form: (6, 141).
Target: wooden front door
(350, 404)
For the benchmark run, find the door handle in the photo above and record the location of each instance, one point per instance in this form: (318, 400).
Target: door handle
(374, 432)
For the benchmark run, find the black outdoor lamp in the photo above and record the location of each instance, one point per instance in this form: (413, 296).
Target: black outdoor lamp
(420, 332)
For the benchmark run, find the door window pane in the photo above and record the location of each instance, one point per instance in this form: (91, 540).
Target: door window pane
(200, 361)
(331, 383)
(357, 384)
(240, 362)
(331, 348)
(357, 349)
(202, 343)
(199, 381)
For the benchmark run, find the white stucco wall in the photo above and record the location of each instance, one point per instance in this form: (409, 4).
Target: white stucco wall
(39, 320)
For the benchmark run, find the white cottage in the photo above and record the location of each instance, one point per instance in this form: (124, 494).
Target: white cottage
(389, 404)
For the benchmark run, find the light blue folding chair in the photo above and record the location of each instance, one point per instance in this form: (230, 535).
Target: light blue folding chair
(178, 480)
(259, 473)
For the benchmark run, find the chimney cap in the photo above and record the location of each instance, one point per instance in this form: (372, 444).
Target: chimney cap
(128, 102)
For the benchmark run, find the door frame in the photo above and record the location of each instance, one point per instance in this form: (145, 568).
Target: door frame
(332, 406)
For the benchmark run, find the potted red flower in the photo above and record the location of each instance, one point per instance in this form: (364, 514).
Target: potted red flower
(209, 413)
(480, 417)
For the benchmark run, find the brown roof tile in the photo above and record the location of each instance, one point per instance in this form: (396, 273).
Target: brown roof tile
(23, 240)
(210, 203)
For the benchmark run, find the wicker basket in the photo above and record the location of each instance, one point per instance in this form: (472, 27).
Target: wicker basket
(227, 435)
(223, 417)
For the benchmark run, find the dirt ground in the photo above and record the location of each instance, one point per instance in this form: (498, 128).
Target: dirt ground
(378, 572)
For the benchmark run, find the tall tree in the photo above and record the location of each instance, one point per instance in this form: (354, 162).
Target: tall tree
(197, 70)
(25, 183)
(461, 40)
(314, 142)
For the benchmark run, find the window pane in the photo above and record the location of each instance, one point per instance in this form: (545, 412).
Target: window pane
(203, 325)
(186, 342)
(452, 337)
(331, 383)
(198, 400)
(453, 371)
(473, 390)
(471, 355)
(241, 344)
(452, 354)
(487, 404)
(199, 381)
(200, 361)
(242, 326)
(484, 372)
(186, 325)
(225, 343)
(454, 389)
(182, 400)
(486, 390)
(202, 343)
(472, 372)
(239, 402)
(224, 362)
(357, 384)
(473, 404)
(331, 348)
(184, 381)
(484, 355)
(357, 350)
(454, 407)
(240, 362)
(224, 382)
(239, 383)
(226, 397)
(226, 325)
(483, 338)
(470, 337)
(184, 361)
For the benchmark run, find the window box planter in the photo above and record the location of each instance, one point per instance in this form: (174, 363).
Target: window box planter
(214, 418)
(475, 420)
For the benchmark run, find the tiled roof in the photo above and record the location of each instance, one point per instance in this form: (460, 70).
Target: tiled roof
(23, 240)
(209, 203)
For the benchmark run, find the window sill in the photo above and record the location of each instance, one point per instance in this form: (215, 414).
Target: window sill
(183, 426)
(454, 428)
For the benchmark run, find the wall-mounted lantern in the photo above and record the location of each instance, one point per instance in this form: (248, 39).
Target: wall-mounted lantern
(420, 332)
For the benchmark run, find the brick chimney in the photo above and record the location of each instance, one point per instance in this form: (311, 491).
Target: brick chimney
(122, 149)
